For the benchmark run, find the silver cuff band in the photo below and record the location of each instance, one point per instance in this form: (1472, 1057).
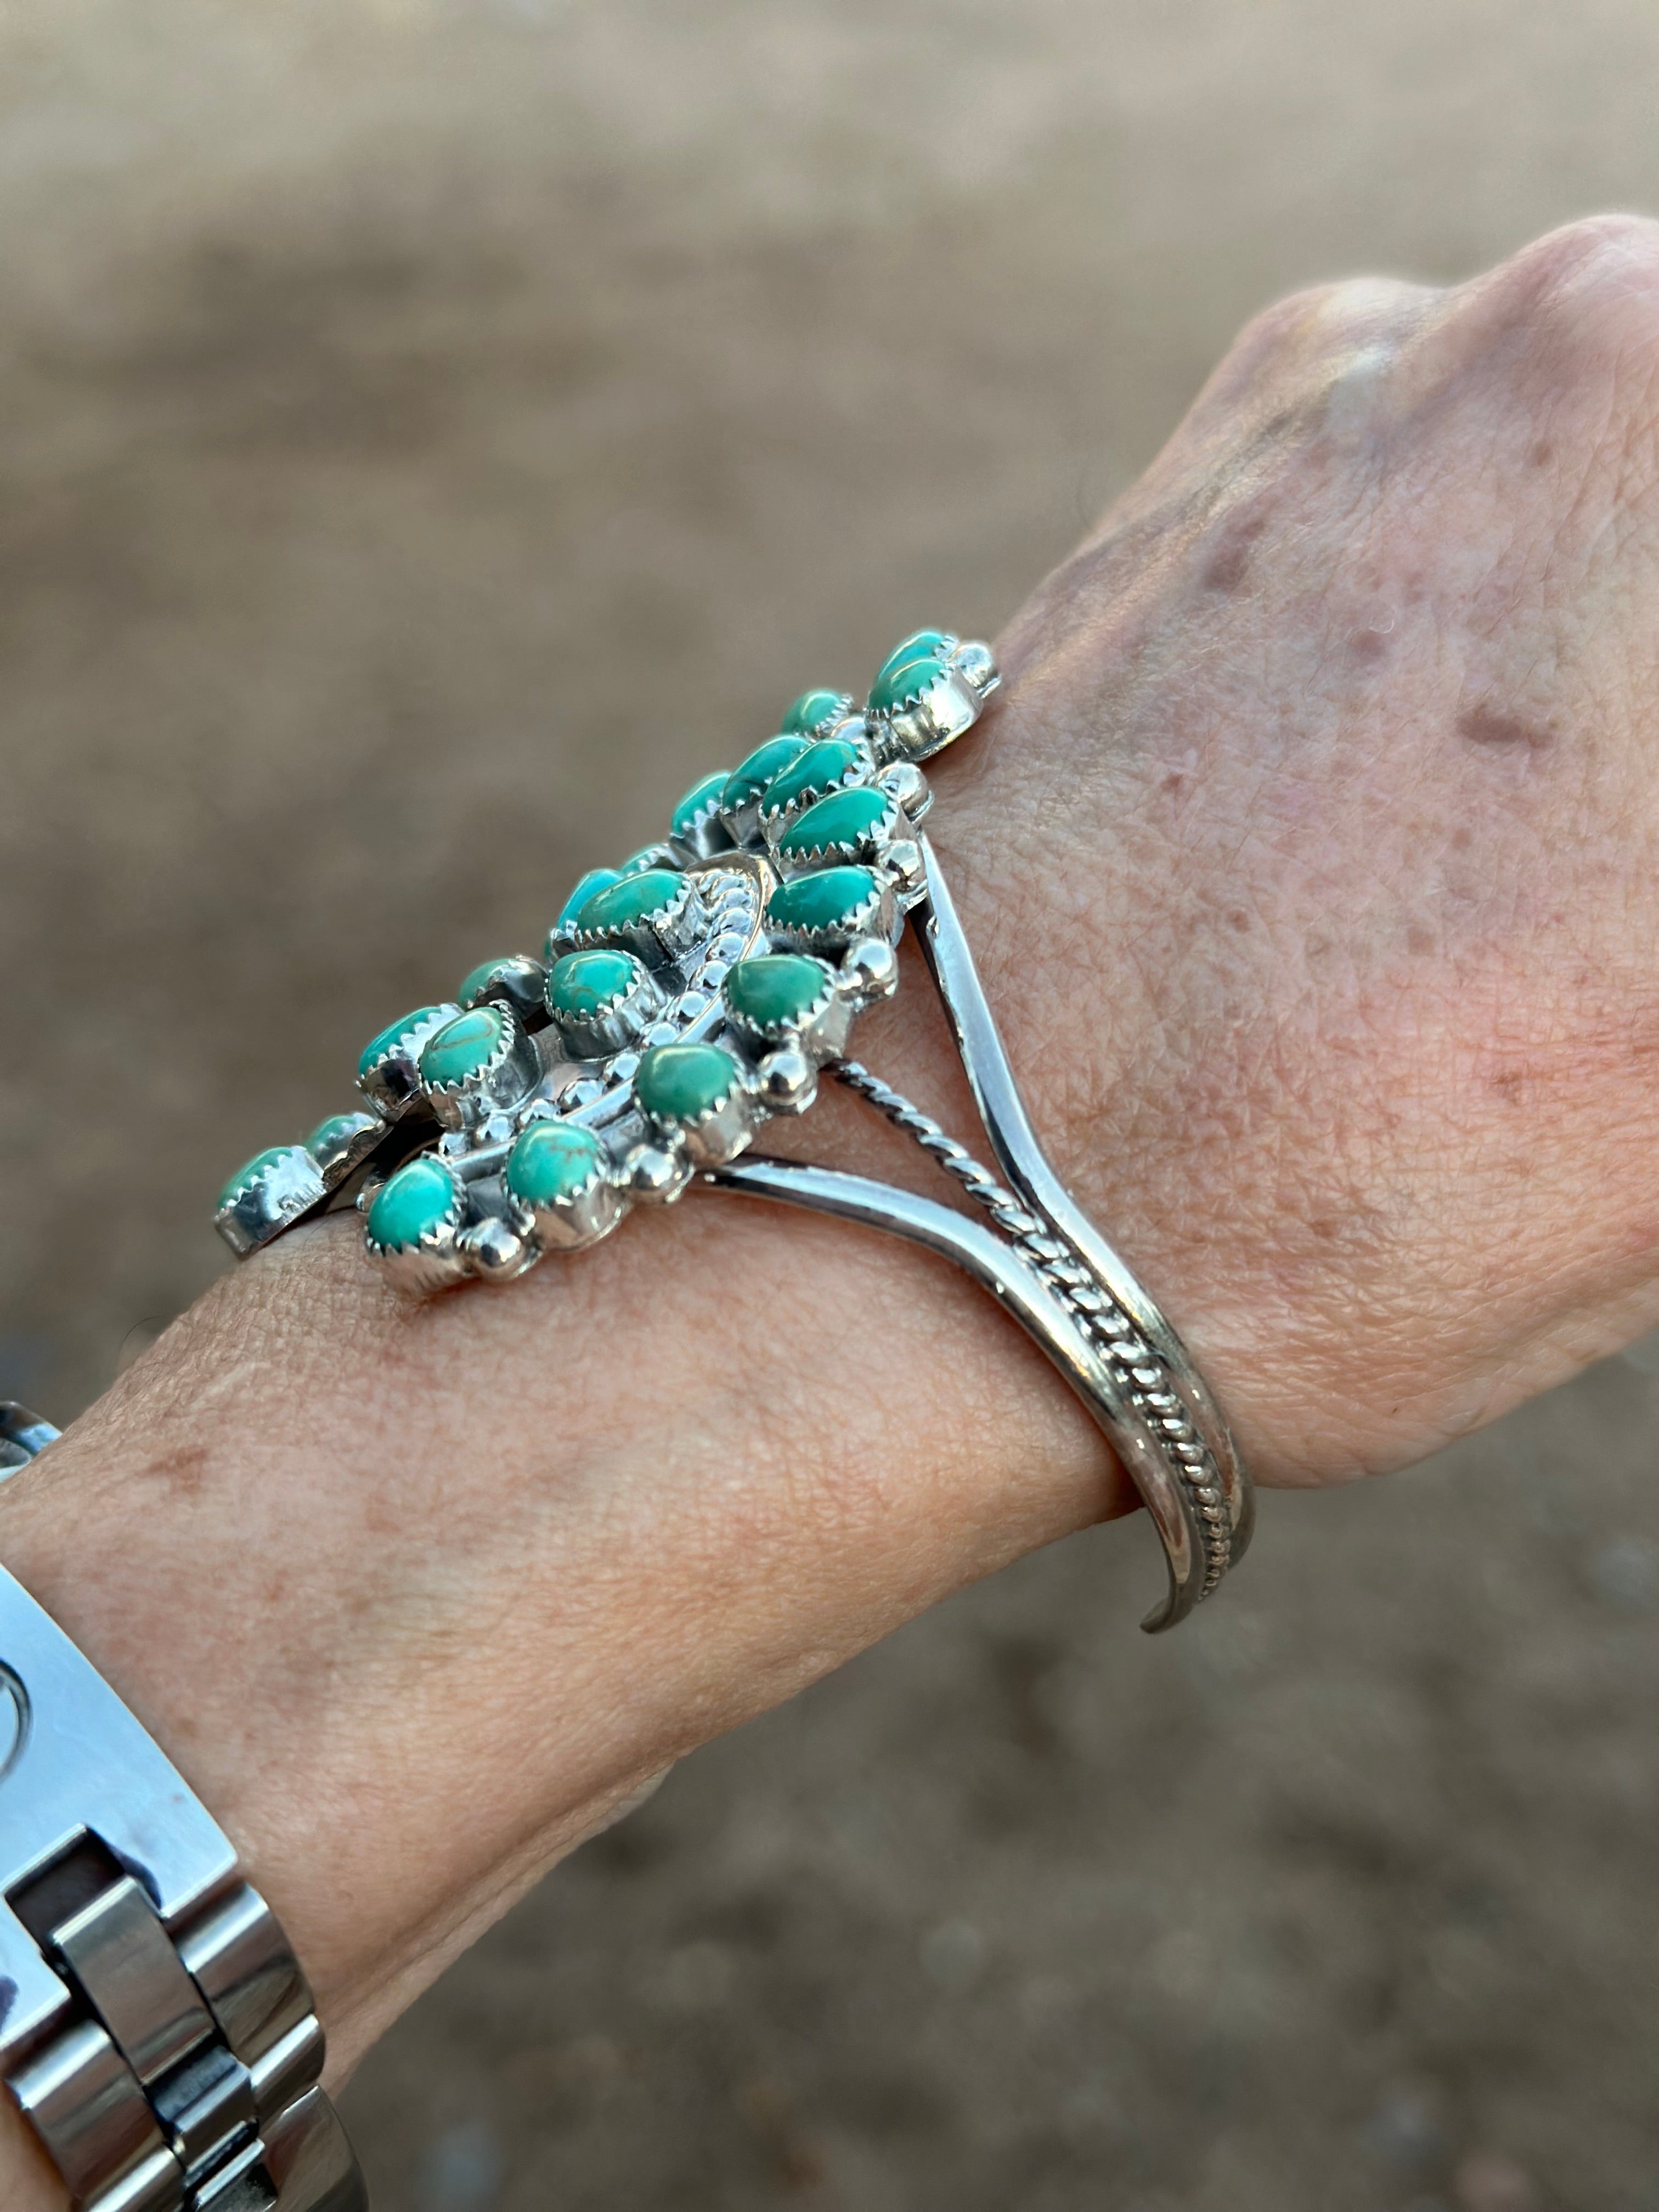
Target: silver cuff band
(156, 2029)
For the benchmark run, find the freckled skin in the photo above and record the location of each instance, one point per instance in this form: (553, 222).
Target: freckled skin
(1364, 657)
(1330, 971)
(1482, 725)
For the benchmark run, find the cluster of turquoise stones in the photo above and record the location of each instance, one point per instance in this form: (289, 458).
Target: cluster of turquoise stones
(680, 997)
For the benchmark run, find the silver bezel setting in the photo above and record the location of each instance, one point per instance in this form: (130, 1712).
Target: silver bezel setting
(434, 1261)
(618, 1024)
(719, 1134)
(773, 821)
(666, 853)
(660, 937)
(518, 982)
(270, 1200)
(941, 712)
(504, 1081)
(392, 1083)
(351, 1145)
(705, 836)
(878, 916)
(869, 844)
(570, 1224)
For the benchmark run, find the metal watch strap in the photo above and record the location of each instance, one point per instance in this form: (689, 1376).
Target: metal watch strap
(155, 2029)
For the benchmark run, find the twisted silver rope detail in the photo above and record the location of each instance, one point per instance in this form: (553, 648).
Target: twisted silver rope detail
(1140, 1369)
(981, 1185)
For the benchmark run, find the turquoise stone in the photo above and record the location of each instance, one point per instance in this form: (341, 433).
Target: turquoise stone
(776, 990)
(750, 777)
(596, 879)
(463, 1049)
(833, 899)
(337, 1130)
(246, 1176)
(378, 1046)
(682, 1082)
(902, 682)
(584, 985)
(847, 819)
(415, 1202)
(553, 1163)
(820, 769)
(921, 645)
(812, 710)
(703, 798)
(480, 979)
(631, 900)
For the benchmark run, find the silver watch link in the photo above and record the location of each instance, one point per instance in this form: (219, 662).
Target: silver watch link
(156, 2029)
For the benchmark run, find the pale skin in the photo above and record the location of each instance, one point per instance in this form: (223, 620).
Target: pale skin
(1311, 858)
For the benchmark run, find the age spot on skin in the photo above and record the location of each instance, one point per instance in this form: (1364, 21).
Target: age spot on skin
(1484, 725)
(1230, 563)
(184, 1472)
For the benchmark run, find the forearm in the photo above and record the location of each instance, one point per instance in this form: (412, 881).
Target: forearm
(416, 1600)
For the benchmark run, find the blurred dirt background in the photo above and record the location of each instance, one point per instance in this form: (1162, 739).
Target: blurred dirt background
(430, 431)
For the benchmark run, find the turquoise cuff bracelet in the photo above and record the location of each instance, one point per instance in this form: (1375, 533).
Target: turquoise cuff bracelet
(707, 984)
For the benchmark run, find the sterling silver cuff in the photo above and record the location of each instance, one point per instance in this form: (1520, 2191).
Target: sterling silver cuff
(683, 1000)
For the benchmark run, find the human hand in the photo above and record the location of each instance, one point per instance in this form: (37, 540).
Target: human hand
(1315, 853)
(1308, 862)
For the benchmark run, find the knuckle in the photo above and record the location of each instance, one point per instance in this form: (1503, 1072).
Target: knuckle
(1584, 282)
(1285, 364)
(1568, 328)
(1616, 250)
(1310, 325)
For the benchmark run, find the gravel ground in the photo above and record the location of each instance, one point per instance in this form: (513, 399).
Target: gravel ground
(430, 432)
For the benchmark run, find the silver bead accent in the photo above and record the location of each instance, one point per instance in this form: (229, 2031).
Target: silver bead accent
(976, 664)
(870, 969)
(904, 863)
(494, 1249)
(656, 1174)
(908, 788)
(788, 1081)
